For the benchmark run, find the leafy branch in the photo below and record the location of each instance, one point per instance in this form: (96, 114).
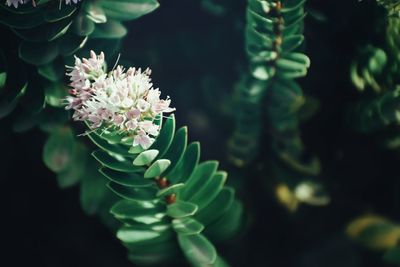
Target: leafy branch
(166, 194)
(274, 37)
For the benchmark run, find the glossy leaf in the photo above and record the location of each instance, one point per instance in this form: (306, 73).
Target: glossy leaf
(187, 226)
(128, 9)
(181, 209)
(201, 175)
(197, 249)
(145, 157)
(164, 139)
(210, 190)
(142, 212)
(173, 189)
(182, 171)
(157, 168)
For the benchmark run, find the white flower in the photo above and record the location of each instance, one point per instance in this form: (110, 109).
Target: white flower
(15, 3)
(123, 101)
(143, 105)
(143, 140)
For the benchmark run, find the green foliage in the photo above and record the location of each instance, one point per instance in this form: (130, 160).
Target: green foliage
(274, 39)
(165, 193)
(378, 113)
(393, 6)
(368, 68)
(49, 34)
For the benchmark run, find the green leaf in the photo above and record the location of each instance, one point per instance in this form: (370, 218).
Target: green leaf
(70, 43)
(38, 53)
(210, 190)
(3, 79)
(145, 157)
(133, 193)
(127, 179)
(21, 21)
(115, 162)
(142, 212)
(59, 150)
(53, 71)
(164, 139)
(135, 149)
(95, 12)
(157, 168)
(128, 9)
(186, 166)
(75, 172)
(177, 149)
(187, 226)
(197, 249)
(201, 175)
(83, 26)
(55, 93)
(131, 235)
(292, 42)
(181, 209)
(54, 13)
(228, 225)
(293, 65)
(93, 189)
(151, 254)
(9, 101)
(218, 207)
(173, 189)
(113, 148)
(111, 29)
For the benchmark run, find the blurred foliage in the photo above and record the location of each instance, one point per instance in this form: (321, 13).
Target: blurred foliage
(269, 101)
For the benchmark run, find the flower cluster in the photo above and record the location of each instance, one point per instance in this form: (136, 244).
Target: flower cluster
(121, 100)
(15, 3)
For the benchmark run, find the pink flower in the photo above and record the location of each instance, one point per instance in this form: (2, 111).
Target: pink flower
(149, 127)
(122, 101)
(143, 140)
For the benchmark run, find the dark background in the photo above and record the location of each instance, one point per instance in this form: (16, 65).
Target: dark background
(197, 55)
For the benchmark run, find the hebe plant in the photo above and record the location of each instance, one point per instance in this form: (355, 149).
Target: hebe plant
(138, 171)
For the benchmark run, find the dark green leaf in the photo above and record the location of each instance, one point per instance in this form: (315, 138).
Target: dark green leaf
(58, 152)
(210, 190)
(177, 149)
(164, 139)
(217, 207)
(128, 9)
(127, 179)
(186, 165)
(133, 193)
(111, 29)
(115, 162)
(201, 175)
(75, 172)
